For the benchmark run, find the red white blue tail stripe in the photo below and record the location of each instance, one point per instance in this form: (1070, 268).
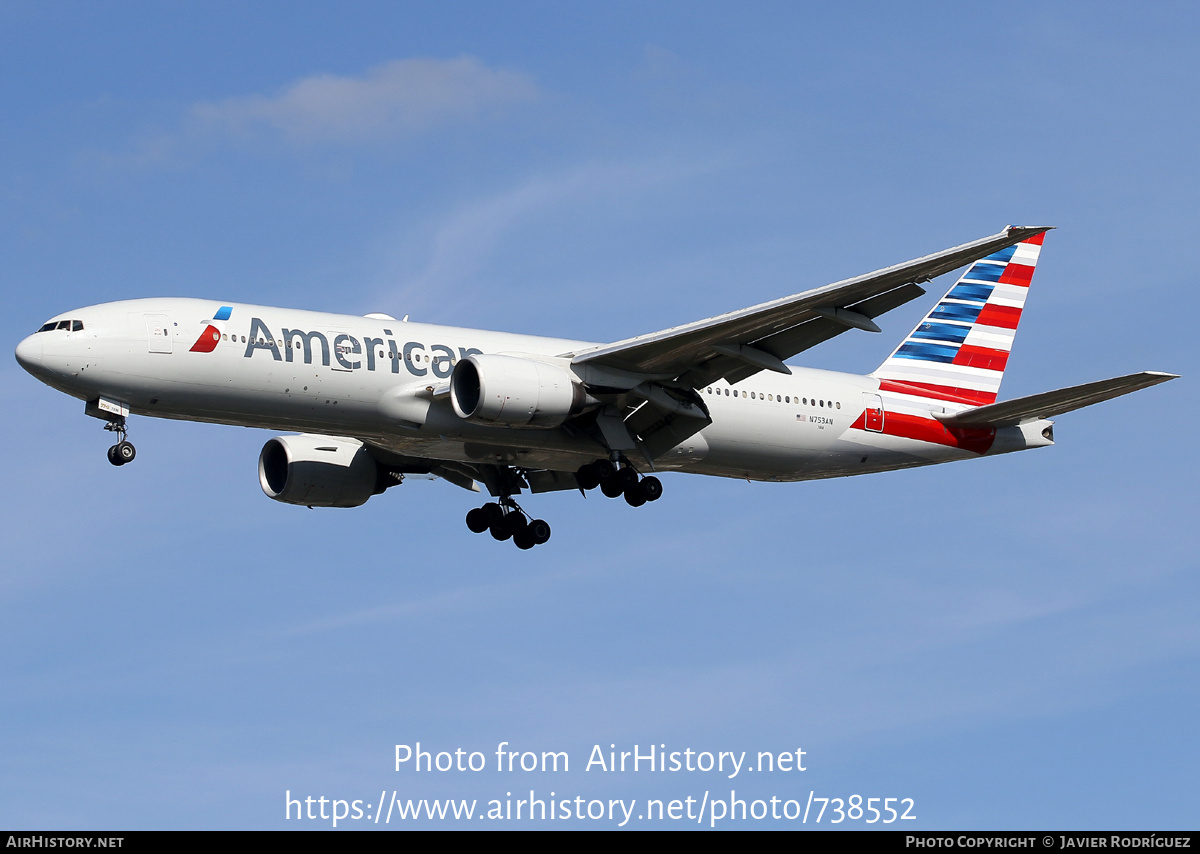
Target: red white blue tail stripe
(959, 351)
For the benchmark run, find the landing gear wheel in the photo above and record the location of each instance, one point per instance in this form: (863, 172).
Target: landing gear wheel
(634, 495)
(123, 452)
(509, 525)
(539, 531)
(500, 530)
(652, 488)
(611, 486)
(587, 477)
(477, 520)
(516, 523)
(524, 540)
(627, 477)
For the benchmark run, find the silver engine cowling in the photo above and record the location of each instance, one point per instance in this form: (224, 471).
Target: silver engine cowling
(318, 471)
(511, 391)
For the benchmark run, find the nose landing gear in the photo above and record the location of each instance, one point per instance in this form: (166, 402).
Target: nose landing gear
(123, 452)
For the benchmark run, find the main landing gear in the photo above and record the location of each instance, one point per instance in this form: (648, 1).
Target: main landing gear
(614, 482)
(122, 452)
(506, 520)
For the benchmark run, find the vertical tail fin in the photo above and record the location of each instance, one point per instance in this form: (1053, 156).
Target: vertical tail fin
(959, 351)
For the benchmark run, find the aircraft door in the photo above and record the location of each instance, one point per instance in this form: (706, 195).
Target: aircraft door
(873, 417)
(158, 333)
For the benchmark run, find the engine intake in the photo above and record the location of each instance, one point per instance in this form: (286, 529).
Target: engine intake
(319, 471)
(515, 392)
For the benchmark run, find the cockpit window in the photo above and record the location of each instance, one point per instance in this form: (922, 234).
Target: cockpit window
(68, 325)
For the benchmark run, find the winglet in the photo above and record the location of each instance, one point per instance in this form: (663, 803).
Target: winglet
(1028, 229)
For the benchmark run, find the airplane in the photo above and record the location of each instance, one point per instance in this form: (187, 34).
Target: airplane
(374, 399)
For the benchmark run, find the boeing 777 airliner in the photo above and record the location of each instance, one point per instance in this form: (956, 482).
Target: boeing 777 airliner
(374, 398)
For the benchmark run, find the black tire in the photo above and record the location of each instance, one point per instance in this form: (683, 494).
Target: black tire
(500, 530)
(612, 487)
(524, 540)
(126, 452)
(113, 458)
(539, 530)
(492, 512)
(604, 469)
(587, 478)
(652, 488)
(516, 523)
(477, 520)
(634, 496)
(627, 477)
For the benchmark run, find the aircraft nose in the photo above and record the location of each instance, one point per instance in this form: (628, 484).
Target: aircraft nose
(29, 353)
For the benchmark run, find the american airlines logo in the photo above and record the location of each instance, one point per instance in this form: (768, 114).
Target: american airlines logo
(344, 352)
(211, 336)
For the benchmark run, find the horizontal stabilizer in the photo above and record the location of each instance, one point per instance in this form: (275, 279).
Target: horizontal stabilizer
(1051, 403)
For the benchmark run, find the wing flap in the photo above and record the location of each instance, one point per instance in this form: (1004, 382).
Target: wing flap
(1051, 403)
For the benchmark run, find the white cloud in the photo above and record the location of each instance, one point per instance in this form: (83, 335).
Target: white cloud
(439, 266)
(392, 100)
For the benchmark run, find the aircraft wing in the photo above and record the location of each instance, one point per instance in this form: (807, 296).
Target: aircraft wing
(741, 343)
(1050, 403)
(498, 479)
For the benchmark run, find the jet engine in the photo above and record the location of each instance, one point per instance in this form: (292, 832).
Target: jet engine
(510, 391)
(319, 471)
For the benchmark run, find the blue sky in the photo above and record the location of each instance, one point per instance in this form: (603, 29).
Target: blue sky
(1012, 642)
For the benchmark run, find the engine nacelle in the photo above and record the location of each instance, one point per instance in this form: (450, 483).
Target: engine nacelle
(318, 471)
(514, 392)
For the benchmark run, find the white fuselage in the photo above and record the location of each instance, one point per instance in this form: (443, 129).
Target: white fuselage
(340, 375)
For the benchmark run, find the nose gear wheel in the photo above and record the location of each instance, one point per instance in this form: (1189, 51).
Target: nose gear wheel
(123, 452)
